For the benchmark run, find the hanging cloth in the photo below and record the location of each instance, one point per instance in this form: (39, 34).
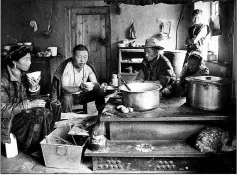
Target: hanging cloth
(132, 32)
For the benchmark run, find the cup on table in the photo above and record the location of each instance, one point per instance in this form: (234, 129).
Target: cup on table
(53, 51)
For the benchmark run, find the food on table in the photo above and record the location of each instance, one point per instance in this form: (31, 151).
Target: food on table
(124, 109)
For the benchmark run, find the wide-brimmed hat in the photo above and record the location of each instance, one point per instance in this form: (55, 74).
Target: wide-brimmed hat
(153, 43)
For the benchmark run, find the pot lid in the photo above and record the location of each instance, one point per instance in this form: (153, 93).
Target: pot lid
(175, 51)
(209, 79)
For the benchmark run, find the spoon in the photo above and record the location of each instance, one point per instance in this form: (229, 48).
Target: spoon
(124, 83)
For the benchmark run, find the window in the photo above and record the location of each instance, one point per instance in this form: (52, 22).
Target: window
(214, 15)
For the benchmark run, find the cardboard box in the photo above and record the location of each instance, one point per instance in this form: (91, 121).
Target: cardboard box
(60, 151)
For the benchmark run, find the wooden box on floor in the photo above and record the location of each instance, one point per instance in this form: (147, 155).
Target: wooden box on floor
(60, 151)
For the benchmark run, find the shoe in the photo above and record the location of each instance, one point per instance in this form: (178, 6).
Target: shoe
(37, 154)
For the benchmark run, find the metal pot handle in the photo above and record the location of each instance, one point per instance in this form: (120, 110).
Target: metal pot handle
(61, 150)
(206, 87)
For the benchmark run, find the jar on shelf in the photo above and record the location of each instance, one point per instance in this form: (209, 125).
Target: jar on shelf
(114, 80)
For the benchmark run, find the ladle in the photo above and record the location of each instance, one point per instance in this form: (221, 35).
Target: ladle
(124, 83)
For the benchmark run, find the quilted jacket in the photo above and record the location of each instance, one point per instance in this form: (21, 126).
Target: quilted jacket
(13, 98)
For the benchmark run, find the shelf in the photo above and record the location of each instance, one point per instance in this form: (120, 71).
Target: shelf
(132, 74)
(37, 58)
(131, 50)
(130, 62)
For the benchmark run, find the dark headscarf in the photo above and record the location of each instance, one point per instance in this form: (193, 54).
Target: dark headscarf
(16, 53)
(196, 54)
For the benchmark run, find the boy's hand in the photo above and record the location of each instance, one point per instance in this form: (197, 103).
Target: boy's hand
(191, 41)
(88, 86)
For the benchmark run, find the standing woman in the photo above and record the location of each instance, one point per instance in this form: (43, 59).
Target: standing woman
(198, 34)
(21, 112)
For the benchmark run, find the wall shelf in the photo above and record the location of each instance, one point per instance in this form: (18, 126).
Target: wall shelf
(127, 68)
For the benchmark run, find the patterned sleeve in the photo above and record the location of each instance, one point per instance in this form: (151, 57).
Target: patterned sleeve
(9, 108)
(203, 71)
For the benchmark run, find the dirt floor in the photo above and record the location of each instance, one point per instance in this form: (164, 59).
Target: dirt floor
(27, 164)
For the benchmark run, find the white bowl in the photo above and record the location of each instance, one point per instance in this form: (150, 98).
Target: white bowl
(34, 75)
(89, 85)
(28, 44)
(110, 88)
(19, 44)
(7, 48)
(137, 60)
(122, 45)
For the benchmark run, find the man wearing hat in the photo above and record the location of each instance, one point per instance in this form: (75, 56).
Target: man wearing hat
(156, 67)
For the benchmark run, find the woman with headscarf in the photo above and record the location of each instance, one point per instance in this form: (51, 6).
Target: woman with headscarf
(194, 67)
(22, 113)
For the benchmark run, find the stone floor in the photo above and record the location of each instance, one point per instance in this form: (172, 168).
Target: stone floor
(24, 163)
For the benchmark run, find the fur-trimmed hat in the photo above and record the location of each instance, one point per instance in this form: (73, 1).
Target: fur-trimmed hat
(196, 53)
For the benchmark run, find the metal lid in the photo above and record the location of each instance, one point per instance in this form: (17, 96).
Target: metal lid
(175, 51)
(209, 79)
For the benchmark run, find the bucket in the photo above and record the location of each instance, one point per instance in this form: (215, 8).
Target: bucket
(53, 51)
(176, 58)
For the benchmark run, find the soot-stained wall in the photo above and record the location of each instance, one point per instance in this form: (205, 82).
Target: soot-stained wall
(17, 14)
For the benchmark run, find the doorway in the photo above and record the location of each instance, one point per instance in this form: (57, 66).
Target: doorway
(90, 26)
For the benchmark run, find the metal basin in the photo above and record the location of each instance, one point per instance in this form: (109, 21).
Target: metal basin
(142, 97)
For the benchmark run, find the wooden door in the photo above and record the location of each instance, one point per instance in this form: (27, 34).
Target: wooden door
(90, 26)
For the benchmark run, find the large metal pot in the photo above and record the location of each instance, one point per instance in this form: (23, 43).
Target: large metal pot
(208, 92)
(142, 97)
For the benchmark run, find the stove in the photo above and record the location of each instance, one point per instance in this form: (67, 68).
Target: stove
(160, 140)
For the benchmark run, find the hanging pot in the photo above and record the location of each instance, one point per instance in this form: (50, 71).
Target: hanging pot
(142, 97)
(208, 92)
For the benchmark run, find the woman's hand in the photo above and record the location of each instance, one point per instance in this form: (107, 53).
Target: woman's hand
(88, 86)
(191, 41)
(37, 103)
(34, 83)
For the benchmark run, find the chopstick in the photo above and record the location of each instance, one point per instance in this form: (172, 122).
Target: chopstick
(124, 83)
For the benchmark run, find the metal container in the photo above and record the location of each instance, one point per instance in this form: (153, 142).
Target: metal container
(208, 92)
(142, 97)
(58, 154)
(176, 58)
